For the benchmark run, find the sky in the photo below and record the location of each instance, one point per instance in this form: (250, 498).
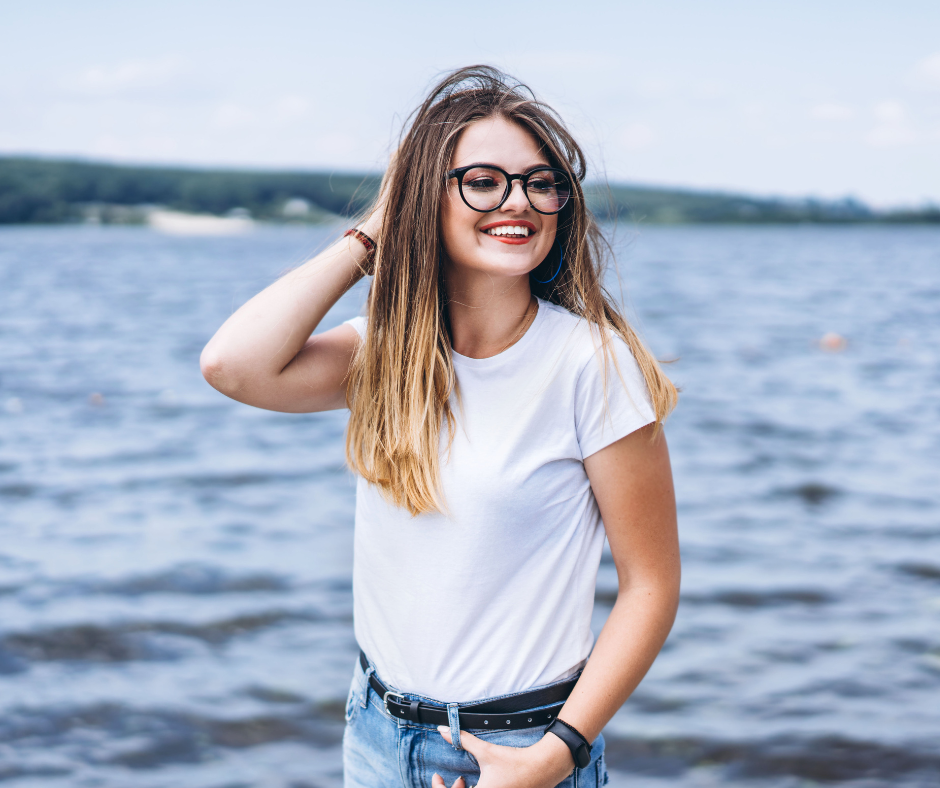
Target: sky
(823, 98)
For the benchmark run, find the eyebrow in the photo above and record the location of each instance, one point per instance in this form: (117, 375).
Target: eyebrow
(526, 171)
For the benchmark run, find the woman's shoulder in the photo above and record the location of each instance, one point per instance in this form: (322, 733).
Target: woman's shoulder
(560, 320)
(582, 340)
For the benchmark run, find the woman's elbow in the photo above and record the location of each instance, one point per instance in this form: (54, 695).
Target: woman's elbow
(660, 588)
(216, 370)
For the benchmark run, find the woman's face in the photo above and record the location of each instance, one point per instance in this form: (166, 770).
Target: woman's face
(469, 242)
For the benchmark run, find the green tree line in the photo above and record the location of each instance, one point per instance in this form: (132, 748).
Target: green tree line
(39, 190)
(36, 190)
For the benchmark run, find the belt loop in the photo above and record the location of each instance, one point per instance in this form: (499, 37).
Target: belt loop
(365, 695)
(453, 718)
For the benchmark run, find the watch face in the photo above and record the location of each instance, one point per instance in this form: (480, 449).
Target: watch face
(584, 756)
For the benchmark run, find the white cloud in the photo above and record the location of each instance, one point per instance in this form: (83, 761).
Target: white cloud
(893, 128)
(927, 72)
(127, 77)
(832, 112)
(890, 112)
(636, 136)
(291, 107)
(230, 116)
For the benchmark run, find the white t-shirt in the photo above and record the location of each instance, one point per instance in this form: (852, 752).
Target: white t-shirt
(497, 597)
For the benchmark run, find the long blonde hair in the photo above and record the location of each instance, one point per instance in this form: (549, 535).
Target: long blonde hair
(402, 376)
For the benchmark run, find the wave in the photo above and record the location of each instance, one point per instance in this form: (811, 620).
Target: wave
(154, 738)
(138, 640)
(823, 759)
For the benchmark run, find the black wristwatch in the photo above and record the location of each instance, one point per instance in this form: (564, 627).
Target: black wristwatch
(579, 746)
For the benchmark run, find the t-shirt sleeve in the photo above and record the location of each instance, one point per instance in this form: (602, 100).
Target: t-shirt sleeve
(359, 323)
(627, 408)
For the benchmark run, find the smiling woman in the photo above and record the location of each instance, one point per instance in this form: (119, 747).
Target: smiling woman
(504, 418)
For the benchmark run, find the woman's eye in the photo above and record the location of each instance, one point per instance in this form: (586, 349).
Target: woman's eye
(541, 184)
(481, 183)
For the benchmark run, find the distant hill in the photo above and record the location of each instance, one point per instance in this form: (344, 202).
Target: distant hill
(652, 205)
(36, 190)
(42, 190)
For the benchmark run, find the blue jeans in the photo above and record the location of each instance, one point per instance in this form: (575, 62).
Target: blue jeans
(380, 751)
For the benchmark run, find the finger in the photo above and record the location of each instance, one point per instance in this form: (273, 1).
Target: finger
(438, 782)
(476, 747)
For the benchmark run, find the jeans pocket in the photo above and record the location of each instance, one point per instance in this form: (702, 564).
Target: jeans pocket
(601, 772)
(595, 774)
(356, 689)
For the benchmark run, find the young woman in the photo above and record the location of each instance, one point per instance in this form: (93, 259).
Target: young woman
(504, 417)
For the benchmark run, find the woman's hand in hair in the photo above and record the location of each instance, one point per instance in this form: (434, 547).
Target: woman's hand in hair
(264, 354)
(543, 765)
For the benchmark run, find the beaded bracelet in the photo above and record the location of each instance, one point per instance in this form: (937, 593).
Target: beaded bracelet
(364, 239)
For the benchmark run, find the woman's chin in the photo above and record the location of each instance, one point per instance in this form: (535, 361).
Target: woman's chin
(504, 269)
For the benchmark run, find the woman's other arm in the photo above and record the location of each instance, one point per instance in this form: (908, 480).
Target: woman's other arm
(264, 354)
(632, 482)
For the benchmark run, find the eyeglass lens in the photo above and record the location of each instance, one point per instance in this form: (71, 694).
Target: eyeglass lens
(484, 188)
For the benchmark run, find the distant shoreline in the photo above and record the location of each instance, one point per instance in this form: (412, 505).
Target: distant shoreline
(51, 191)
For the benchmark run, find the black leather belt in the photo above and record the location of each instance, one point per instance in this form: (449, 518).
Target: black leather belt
(508, 712)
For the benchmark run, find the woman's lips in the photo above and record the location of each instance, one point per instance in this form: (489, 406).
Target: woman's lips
(511, 239)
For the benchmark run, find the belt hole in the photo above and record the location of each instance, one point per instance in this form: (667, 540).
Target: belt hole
(508, 722)
(486, 722)
(530, 719)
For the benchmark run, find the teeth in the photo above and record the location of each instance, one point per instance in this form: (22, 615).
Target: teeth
(508, 229)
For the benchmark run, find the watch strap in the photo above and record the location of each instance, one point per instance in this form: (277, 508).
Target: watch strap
(579, 746)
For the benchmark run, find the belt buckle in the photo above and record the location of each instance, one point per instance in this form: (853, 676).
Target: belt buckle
(385, 699)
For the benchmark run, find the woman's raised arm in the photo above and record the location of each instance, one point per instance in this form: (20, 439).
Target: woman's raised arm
(264, 354)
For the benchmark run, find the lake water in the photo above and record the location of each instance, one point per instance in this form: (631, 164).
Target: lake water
(175, 601)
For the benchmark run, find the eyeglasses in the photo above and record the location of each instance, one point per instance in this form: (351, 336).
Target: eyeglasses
(485, 187)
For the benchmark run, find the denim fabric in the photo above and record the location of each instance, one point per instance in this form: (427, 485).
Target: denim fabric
(380, 750)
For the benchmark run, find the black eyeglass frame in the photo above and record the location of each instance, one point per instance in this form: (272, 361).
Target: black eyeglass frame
(524, 177)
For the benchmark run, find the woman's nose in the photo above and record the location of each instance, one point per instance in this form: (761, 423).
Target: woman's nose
(516, 201)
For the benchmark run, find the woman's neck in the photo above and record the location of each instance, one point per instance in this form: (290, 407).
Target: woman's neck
(489, 315)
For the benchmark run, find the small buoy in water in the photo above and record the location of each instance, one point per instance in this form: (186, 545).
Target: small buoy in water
(96, 399)
(834, 343)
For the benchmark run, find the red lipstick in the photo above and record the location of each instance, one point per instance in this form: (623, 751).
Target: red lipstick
(510, 223)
